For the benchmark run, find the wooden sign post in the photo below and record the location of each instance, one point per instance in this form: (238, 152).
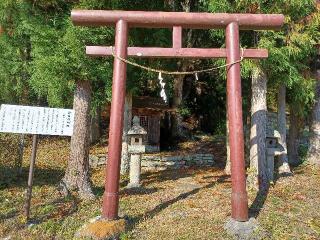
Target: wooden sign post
(30, 178)
(36, 121)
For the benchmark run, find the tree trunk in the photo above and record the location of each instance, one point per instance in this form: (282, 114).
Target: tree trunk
(282, 128)
(247, 130)
(314, 149)
(125, 156)
(258, 173)
(227, 168)
(294, 133)
(95, 132)
(177, 131)
(77, 173)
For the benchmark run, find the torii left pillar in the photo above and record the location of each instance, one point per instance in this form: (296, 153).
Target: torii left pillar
(111, 194)
(231, 23)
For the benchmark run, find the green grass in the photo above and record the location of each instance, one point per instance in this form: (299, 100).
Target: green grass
(166, 209)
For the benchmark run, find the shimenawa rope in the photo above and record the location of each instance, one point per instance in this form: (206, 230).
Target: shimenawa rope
(176, 72)
(160, 71)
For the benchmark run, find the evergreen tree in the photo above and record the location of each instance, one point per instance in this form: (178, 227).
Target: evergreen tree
(43, 61)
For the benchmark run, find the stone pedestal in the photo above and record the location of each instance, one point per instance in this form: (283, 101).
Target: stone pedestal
(271, 153)
(135, 171)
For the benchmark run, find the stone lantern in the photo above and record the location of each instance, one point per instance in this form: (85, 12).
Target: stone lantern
(273, 149)
(137, 140)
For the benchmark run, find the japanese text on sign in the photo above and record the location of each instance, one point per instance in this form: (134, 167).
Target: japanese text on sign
(36, 120)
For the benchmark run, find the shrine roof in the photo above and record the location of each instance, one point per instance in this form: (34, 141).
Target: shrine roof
(153, 103)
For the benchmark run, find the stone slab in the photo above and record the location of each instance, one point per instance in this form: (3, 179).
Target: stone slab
(242, 230)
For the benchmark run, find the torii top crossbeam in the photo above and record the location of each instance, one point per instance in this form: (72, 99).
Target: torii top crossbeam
(171, 19)
(232, 23)
(177, 21)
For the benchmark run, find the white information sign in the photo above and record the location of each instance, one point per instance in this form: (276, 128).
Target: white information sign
(36, 120)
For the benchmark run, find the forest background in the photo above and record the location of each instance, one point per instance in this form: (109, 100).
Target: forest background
(43, 62)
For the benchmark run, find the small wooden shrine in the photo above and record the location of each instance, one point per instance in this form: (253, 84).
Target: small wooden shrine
(150, 110)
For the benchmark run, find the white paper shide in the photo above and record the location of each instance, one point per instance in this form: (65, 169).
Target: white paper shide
(36, 120)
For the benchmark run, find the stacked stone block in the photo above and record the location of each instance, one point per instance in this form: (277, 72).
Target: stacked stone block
(158, 162)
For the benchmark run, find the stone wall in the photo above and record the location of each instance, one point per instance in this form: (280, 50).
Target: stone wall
(158, 162)
(150, 163)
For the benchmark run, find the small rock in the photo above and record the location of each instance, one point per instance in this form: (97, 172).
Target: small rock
(30, 225)
(93, 161)
(92, 220)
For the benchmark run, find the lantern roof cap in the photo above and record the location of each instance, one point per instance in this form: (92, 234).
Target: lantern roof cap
(136, 128)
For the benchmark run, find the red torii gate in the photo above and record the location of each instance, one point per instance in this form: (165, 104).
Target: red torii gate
(123, 20)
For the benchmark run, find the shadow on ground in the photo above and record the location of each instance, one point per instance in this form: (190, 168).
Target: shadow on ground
(63, 207)
(258, 203)
(10, 178)
(262, 195)
(166, 175)
(152, 213)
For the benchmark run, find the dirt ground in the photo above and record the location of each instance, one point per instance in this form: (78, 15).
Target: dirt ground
(175, 204)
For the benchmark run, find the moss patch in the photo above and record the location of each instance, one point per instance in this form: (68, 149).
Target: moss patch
(102, 229)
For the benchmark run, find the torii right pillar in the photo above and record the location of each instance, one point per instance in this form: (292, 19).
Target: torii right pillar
(239, 199)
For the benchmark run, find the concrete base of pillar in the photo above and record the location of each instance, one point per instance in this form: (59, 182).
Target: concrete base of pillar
(242, 230)
(101, 229)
